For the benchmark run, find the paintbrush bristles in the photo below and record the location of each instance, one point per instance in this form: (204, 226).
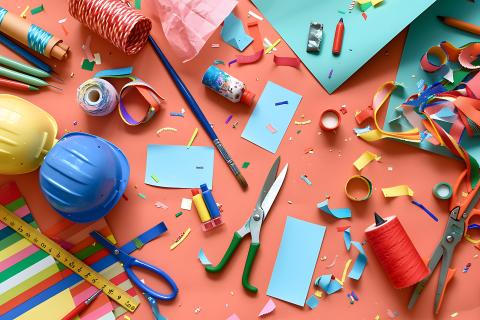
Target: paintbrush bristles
(242, 181)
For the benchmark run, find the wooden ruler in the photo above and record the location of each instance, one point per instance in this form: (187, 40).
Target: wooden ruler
(67, 259)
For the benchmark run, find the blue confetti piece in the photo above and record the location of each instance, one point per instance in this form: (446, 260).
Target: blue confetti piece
(307, 181)
(421, 206)
(281, 102)
(176, 114)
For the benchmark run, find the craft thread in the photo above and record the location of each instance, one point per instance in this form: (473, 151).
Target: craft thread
(115, 21)
(396, 253)
(97, 97)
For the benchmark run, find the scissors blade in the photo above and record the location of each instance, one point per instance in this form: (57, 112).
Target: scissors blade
(268, 182)
(273, 192)
(103, 241)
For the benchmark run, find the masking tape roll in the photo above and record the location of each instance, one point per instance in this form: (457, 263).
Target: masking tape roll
(97, 97)
(330, 119)
(443, 190)
(364, 180)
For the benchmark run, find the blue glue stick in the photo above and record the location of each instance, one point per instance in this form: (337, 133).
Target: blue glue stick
(210, 201)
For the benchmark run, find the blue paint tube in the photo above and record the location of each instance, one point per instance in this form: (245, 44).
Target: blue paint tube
(210, 201)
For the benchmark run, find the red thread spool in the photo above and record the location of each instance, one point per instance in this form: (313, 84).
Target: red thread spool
(115, 21)
(395, 252)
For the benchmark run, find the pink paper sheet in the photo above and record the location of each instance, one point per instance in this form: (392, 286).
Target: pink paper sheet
(188, 24)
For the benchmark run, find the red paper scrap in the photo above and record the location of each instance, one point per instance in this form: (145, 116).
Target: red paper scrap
(286, 61)
(251, 58)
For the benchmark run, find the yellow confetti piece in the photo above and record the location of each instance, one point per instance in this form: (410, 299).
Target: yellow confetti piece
(180, 239)
(377, 317)
(376, 2)
(166, 129)
(24, 12)
(318, 294)
(401, 190)
(194, 135)
(154, 177)
(365, 159)
(126, 317)
(345, 270)
(302, 123)
(273, 46)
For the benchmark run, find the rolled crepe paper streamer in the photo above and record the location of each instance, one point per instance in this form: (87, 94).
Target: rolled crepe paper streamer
(97, 97)
(330, 120)
(353, 183)
(115, 21)
(395, 252)
(148, 93)
(32, 36)
(443, 190)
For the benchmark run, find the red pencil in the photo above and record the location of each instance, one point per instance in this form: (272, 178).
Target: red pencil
(81, 307)
(338, 40)
(17, 85)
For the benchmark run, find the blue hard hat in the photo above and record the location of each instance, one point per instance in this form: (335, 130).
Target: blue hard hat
(83, 176)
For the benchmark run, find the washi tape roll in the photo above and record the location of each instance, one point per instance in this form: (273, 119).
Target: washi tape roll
(358, 182)
(442, 190)
(97, 97)
(330, 120)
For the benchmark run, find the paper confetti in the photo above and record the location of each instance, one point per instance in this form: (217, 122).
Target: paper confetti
(176, 114)
(87, 65)
(365, 159)
(141, 195)
(194, 135)
(328, 283)
(312, 302)
(293, 62)
(361, 261)
(359, 131)
(256, 16)
(186, 204)
(271, 128)
(421, 206)
(302, 123)
(228, 119)
(397, 191)
(268, 308)
(154, 177)
(180, 238)
(38, 9)
(23, 15)
(245, 165)
(307, 181)
(203, 258)
(161, 205)
(86, 49)
(138, 4)
(330, 73)
(248, 59)
(273, 46)
(281, 103)
(341, 213)
(97, 58)
(166, 129)
(178, 214)
(345, 270)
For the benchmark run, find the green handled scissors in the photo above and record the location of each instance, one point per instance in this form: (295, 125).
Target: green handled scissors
(254, 224)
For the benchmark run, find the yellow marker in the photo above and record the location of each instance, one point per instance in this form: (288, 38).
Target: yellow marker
(200, 205)
(67, 259)
(272, 46)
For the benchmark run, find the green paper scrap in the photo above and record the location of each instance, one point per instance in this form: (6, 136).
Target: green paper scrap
(292, 18)
(38, 9)
(178, 214)
(141, 195)
(154, 177)
(87, 65)
(138, 4)
(245, 165)
(427, 31)
(365, 6)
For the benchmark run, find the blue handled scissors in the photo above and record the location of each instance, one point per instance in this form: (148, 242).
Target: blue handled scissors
(129, 262)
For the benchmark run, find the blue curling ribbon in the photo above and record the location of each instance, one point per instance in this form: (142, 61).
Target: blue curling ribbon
(38, 38)
(3, 12)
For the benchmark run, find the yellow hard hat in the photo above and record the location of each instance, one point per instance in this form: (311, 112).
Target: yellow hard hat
(27, 133)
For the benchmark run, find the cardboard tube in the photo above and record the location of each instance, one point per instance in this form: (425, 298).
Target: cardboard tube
(17, 28)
